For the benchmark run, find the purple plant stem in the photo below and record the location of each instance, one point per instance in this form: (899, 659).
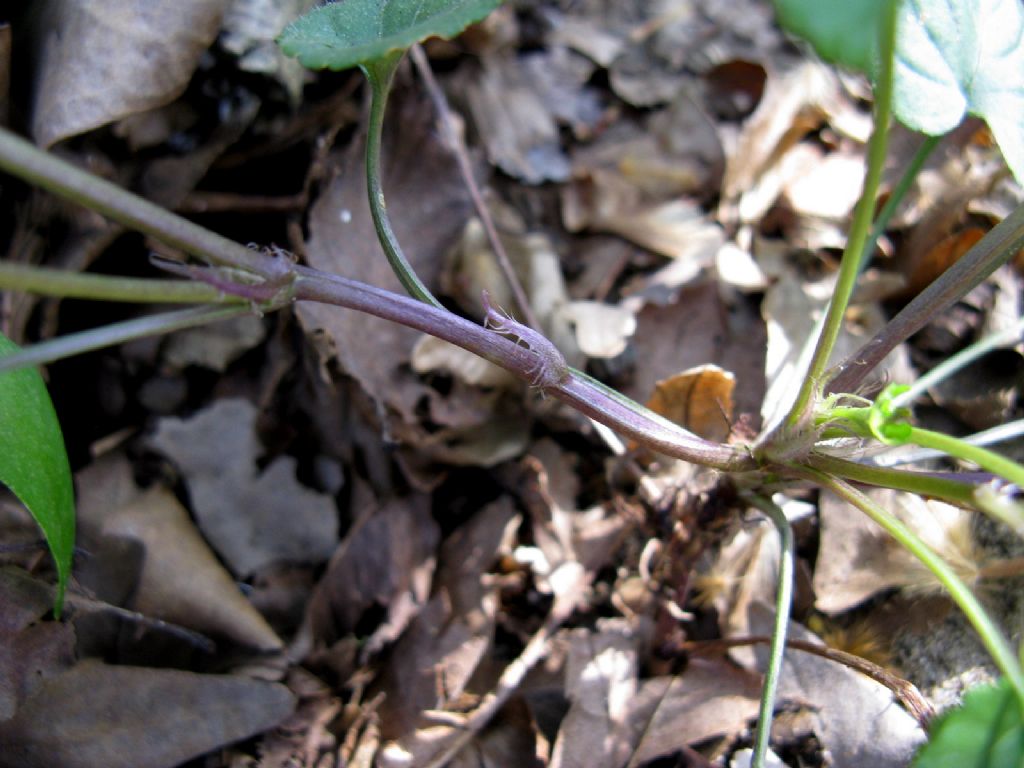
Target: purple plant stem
(575, 389)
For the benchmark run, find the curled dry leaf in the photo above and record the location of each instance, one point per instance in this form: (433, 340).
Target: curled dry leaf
(699, 399)
(794, 102)
(149, 556)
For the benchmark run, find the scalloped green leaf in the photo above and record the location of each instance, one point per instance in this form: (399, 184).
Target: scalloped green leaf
(958, 57)
(34, 463)
(358, 32)
(986, 731)
(843, 32)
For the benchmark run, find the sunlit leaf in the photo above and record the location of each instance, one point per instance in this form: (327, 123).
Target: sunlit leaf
(985, 732)
(843, 32)
(350, 32)
(33, 462)
(958, 57)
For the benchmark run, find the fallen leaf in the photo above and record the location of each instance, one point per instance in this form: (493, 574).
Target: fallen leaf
(95, 714)
(697, 328)
(517, 127)
(855, 718)
(251, 518)
(31, 650)
(711, 698)
(386, 561)
(857, 559)
(100, 61)
(181, 580)
(699, 399)
(432, 663)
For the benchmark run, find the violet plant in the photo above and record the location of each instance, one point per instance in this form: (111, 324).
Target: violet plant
(235, 279)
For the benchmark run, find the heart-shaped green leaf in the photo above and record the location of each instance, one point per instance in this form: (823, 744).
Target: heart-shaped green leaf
(33, 462)
(959, 57)
(350, 32)
(843, 32)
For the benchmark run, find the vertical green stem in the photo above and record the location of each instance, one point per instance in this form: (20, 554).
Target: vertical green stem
(380, 74)
(898, 193)
(991, 636)
(783, 601)
(850, 265)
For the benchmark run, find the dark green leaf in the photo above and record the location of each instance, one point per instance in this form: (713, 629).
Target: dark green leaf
(351, 32)
(33, 462)
(959, 57)
(843, 32)
(986, 731)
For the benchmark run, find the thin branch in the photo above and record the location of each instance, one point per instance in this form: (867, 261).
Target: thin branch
(458, 147)
(905, 691)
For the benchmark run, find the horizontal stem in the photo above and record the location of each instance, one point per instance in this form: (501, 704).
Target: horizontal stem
(961, 449)
(930, 484)
(83, 285)
(576, 389)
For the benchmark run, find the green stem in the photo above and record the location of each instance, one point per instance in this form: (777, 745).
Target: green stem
(849, 267)
(991, 636)
(898, 193)
(964, 357)
(380, 74)
(35, 166)
(783, 602)
(78, 285)
(926, 484)
(961, 449)
(118, 333)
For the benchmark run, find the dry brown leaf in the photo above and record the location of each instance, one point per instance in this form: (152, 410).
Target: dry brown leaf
(601, 684)
(428, 200)
(698, 328)
(250, 31)
(712, 698)
(386, 561)
(794, 102)
(100, 61)
(857, 559)
(856, 719)
(432, 663)
(131, 717)
(699, 399)
(251, 518)
(181, 580)
(516, 124)
(31, 650)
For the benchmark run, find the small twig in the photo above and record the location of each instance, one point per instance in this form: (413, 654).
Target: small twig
(458, 148)
(905, 691)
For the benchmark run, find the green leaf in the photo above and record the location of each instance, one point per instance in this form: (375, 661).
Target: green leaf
(986, 731)
(958, 57)
(844, 32)
(34, 464)
(351, 32)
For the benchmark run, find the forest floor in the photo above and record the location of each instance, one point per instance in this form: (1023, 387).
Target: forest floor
(317, 539)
